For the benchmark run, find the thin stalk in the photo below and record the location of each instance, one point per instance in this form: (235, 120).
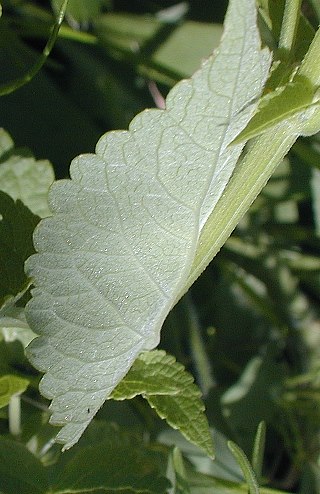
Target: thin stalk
(15, 415)
(310, 64)
(289, 27)
(21, 81)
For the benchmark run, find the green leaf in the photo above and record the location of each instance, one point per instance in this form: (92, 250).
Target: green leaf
(20, 471)
(170, 390)
(10, 386)
(224, 465)
(258, 450)
(113, 464)
(278, 106)
(117, 251)
(186, 480)
(6, 143)
(245, 467)
(16, 227)
(24, 178)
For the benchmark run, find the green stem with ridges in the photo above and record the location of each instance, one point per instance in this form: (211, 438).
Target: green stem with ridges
(289, 27)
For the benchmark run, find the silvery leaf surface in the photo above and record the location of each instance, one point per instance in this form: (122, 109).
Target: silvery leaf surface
(124, 229)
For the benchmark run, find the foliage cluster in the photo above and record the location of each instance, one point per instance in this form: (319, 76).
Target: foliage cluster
(248, 328)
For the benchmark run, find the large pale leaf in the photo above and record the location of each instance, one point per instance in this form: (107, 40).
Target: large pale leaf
(170, 390)
(118, 249)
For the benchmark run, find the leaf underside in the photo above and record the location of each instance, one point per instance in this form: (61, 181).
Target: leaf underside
(124, 231)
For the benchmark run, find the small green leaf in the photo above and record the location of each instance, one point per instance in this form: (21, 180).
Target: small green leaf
(245, 467)
(278, 106)
(6, 143)
(17, 224)
(24, 178)
(20, 471)
(170, 390)
(10, 386)
(258, 450)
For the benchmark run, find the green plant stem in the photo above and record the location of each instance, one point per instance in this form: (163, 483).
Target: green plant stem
(14, 85)
(289, 27)
(310, 66)
(249, 177)
(15, 415)
(254, 170)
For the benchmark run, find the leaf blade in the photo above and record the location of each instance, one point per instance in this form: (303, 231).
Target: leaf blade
(170, 390)
(118, 248)
(9, 386)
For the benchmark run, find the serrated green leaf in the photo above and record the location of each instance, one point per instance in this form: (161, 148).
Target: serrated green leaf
(20, 471)
(9, 386)
(117, 251)
(171, 391)
(17, 224)
(24, 178)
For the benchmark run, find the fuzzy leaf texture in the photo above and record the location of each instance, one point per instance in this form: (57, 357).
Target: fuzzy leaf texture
(170, 390)
(124, 232)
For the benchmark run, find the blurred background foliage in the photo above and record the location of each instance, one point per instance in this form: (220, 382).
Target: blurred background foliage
(249, 329)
